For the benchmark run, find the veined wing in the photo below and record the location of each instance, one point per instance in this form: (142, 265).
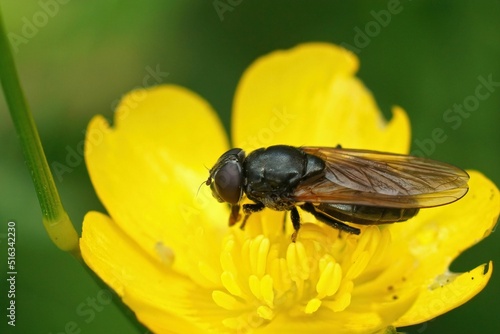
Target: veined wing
(382, 179)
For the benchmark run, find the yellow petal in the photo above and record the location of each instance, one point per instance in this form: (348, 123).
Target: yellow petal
(326, 321)
(309, 96)
(453, 291)
(147, 170)
(161, 298)
(438, 235)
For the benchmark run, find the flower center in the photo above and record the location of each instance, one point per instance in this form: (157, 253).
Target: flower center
(266, 275)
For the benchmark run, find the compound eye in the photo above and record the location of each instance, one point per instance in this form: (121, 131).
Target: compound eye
(228, 182)
(215, 194)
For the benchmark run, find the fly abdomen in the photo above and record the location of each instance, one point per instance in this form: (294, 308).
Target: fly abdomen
(366, 215)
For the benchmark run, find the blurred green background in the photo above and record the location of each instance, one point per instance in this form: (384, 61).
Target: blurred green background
(77, 58)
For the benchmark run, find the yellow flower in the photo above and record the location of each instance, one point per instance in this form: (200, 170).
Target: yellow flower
(166, 249)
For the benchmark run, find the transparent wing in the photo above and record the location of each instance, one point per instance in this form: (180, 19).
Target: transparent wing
(382, 179)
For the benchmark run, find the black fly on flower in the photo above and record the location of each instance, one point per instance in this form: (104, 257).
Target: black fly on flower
(337, 186)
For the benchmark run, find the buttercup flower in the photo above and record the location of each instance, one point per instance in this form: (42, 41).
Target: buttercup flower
(167, 251)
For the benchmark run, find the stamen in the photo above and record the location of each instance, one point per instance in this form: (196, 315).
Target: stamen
(358, 265)
(254, 284)
(226, 259)
(259, 248)
(330, 280)
(266, 290)
(312, 306)
(281, 278)
(382, 247)
(339, 303)
(297, 262)
(265, 312)
(263, 275)
(342, 298)
(229, 282)
(225, 300)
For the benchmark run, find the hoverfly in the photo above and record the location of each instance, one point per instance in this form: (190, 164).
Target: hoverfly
(336, 185)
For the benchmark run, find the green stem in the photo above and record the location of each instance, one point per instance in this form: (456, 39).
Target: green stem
(54, 217)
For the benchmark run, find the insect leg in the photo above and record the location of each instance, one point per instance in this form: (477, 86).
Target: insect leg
(335, 223)
(294, 215)
(248, 209)
(284, 222)
(235, 216)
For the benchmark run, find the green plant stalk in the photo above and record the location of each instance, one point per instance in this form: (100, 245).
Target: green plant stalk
(54, 217)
